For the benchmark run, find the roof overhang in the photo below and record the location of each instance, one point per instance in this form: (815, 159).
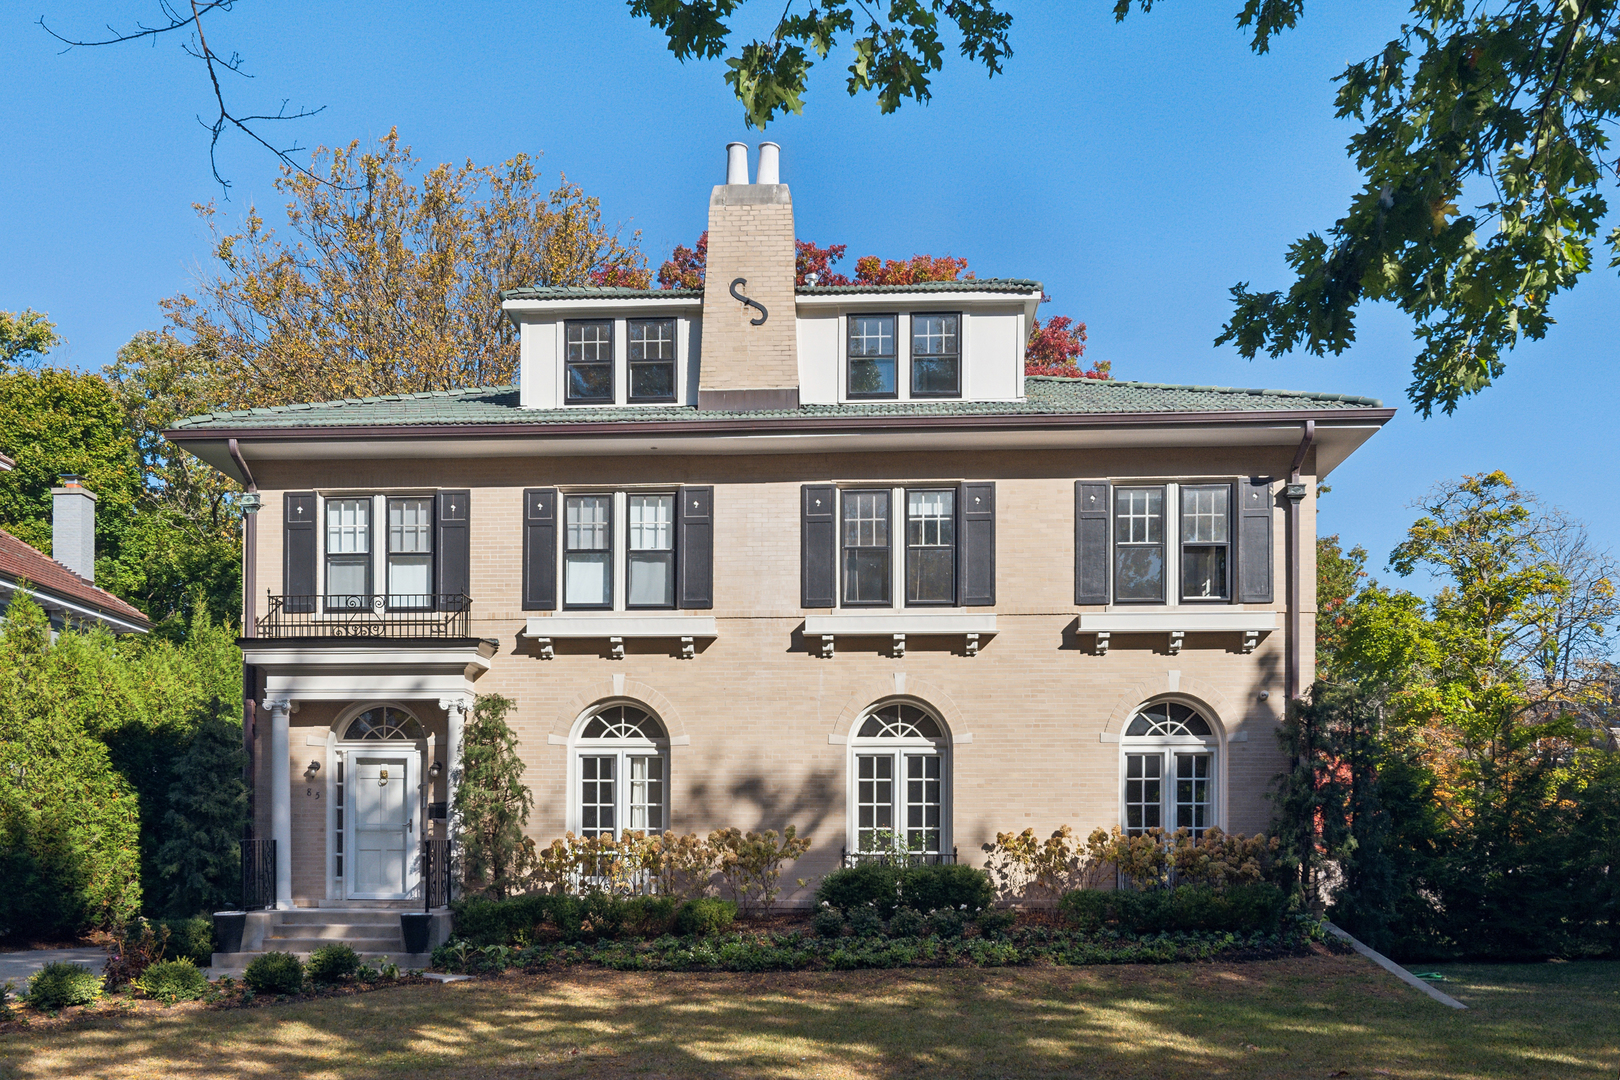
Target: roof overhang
(73, 608)
(1339, 432)
(937, 300)
(518, 309)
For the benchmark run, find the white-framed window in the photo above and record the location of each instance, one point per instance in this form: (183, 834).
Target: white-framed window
(936, 355)
(1206, 548)
(650, 551)
(1167, 770)
(1139, 544)
(652, 360)
(931, 546)
(410, 553)
(348, 553)
(899, 770)
(588, 551)
(1173, 543)
(867, 576)
(588, 363)
(621, 773)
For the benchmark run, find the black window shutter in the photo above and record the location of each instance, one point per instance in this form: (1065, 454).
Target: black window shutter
(452, 550)
(694, 549)
(976, 546)
(818, 546)
(1254, 540)
(298, 551)
(1091, 542)
(540, 549)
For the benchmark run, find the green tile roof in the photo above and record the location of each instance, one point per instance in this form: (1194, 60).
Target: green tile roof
(1046, 395)
(614, 292)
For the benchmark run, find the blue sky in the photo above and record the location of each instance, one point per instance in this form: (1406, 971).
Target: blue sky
(1138, 170)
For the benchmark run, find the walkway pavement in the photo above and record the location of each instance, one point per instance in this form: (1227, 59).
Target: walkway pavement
(17, 966)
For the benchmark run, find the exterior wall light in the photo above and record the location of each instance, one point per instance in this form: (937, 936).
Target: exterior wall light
(250, 501)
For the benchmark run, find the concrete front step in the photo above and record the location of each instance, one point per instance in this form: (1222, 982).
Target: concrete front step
(358, 944)
(336, 931)
(335, 917)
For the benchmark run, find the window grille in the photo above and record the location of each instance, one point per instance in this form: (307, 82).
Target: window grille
(587, 551)
(871, 371)
(866, 547)
(936, 356)
(931, 547)
(1138, 543)
(1205, 542)
(589, 362)
(652, 359)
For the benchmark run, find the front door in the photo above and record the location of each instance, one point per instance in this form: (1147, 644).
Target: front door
(384, 797)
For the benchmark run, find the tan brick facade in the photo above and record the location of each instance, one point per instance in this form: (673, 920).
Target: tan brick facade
(759, 718)
(750, 236)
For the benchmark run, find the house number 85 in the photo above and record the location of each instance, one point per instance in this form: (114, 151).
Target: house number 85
(311, 793)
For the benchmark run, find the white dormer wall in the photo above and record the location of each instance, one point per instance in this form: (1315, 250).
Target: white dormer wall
(541, 348)
(994, 328)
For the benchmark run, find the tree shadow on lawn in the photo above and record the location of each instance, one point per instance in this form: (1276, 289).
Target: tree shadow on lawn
(1306, 1017)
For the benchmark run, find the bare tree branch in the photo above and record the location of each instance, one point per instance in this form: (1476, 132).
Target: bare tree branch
(182, 19)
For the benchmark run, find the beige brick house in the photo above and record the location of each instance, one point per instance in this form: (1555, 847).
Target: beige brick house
(760, 554)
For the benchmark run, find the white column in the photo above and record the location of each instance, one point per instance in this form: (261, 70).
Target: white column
(281, 797)
(455, 709)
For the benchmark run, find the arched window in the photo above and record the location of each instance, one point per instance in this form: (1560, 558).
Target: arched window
(900, 782)
(383, 722)
(1168, 770)
(622, 773)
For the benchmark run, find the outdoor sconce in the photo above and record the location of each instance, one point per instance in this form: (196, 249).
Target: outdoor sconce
(1264, 694)
(250, 501)
(314, 767)
(433, 772)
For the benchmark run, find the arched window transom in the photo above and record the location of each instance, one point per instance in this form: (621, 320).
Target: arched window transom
(383, 722)
(622, 773)
(900, 722)
(1167, 783)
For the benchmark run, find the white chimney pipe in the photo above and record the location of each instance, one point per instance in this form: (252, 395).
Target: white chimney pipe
(770, 163)
(736, 163)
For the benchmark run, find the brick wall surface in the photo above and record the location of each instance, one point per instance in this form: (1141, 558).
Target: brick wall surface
(759, 719)
(750, 236)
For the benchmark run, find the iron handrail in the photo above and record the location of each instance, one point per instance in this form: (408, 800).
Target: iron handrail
(380, 615)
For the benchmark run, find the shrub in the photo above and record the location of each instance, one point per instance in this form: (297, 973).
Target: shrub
(330, 963)
(867, 883)
(925, 888)
(865, 921)
(170, 981)
(701, 918)
(828, 922)
(751, 863)
(948, 922)
(135, 946)
(60, 984)
(8, 990)
(1256, 906)
(190, 938)
(906, 923)
(275, 973)
(648, 916)
(993, 921)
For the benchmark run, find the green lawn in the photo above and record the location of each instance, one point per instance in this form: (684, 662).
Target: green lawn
(1315, 1017)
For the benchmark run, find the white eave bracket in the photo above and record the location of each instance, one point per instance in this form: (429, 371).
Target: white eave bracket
(1174, 624)
(898, 626)
(616, 628)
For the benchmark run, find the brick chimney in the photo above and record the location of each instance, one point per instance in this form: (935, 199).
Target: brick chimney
(73, 527)
(750, 353)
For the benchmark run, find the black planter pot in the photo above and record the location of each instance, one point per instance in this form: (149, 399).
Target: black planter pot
(415, 925)
(228, 927)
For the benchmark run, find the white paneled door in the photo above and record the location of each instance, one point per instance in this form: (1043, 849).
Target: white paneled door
(383, 793)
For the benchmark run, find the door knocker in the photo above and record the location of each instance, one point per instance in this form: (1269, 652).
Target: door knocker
(382, 778)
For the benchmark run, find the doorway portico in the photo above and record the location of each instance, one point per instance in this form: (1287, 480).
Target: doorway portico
(358, 789)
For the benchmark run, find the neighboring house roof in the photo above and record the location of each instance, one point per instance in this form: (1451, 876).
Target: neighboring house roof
(612, 292)
(1048, 396)
(50, 580)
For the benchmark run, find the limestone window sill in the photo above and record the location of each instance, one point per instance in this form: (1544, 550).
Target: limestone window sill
(1177, 622)
(898, 624)
(617, 627)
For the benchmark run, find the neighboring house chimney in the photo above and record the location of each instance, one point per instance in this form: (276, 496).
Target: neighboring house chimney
(73, 527)
(750, 353)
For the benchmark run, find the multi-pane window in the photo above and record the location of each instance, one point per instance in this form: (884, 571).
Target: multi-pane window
(410, 553)
(588, 551)
(1169, 770)
(622, 773)
(1144, 792)
(931, 547)
(652, 359)
(348, 553)
(936, 356)
(589, 360)
(651, 558)
(866, 547)
(899, 775)
(1138, 543)
(1192, 793)
(1205, 542)
(871, 356)
(598, 795)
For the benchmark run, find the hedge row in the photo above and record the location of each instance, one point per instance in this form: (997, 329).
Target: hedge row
(920, 888)
(521, 920)
(1244, 909)
(794, 951)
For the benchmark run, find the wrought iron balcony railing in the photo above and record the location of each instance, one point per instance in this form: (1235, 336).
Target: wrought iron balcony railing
(898, 858)
(432, 615)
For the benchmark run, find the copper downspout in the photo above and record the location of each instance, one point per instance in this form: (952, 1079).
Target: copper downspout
(250, 552)
(1295, 493)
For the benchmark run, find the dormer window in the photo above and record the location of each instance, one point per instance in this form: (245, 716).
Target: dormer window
(589, 377)
(652, 360)
(872, 356)
(936, 356)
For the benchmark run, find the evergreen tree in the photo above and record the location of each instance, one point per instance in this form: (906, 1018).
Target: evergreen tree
(492, 803)
(200, 857)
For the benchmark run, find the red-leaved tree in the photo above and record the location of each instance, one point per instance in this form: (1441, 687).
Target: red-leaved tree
(684, 267)
(1056, 349)
(870, 270)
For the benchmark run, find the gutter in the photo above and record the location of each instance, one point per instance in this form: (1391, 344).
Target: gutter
(1295, 494)
(785, 424)
(44, 597)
